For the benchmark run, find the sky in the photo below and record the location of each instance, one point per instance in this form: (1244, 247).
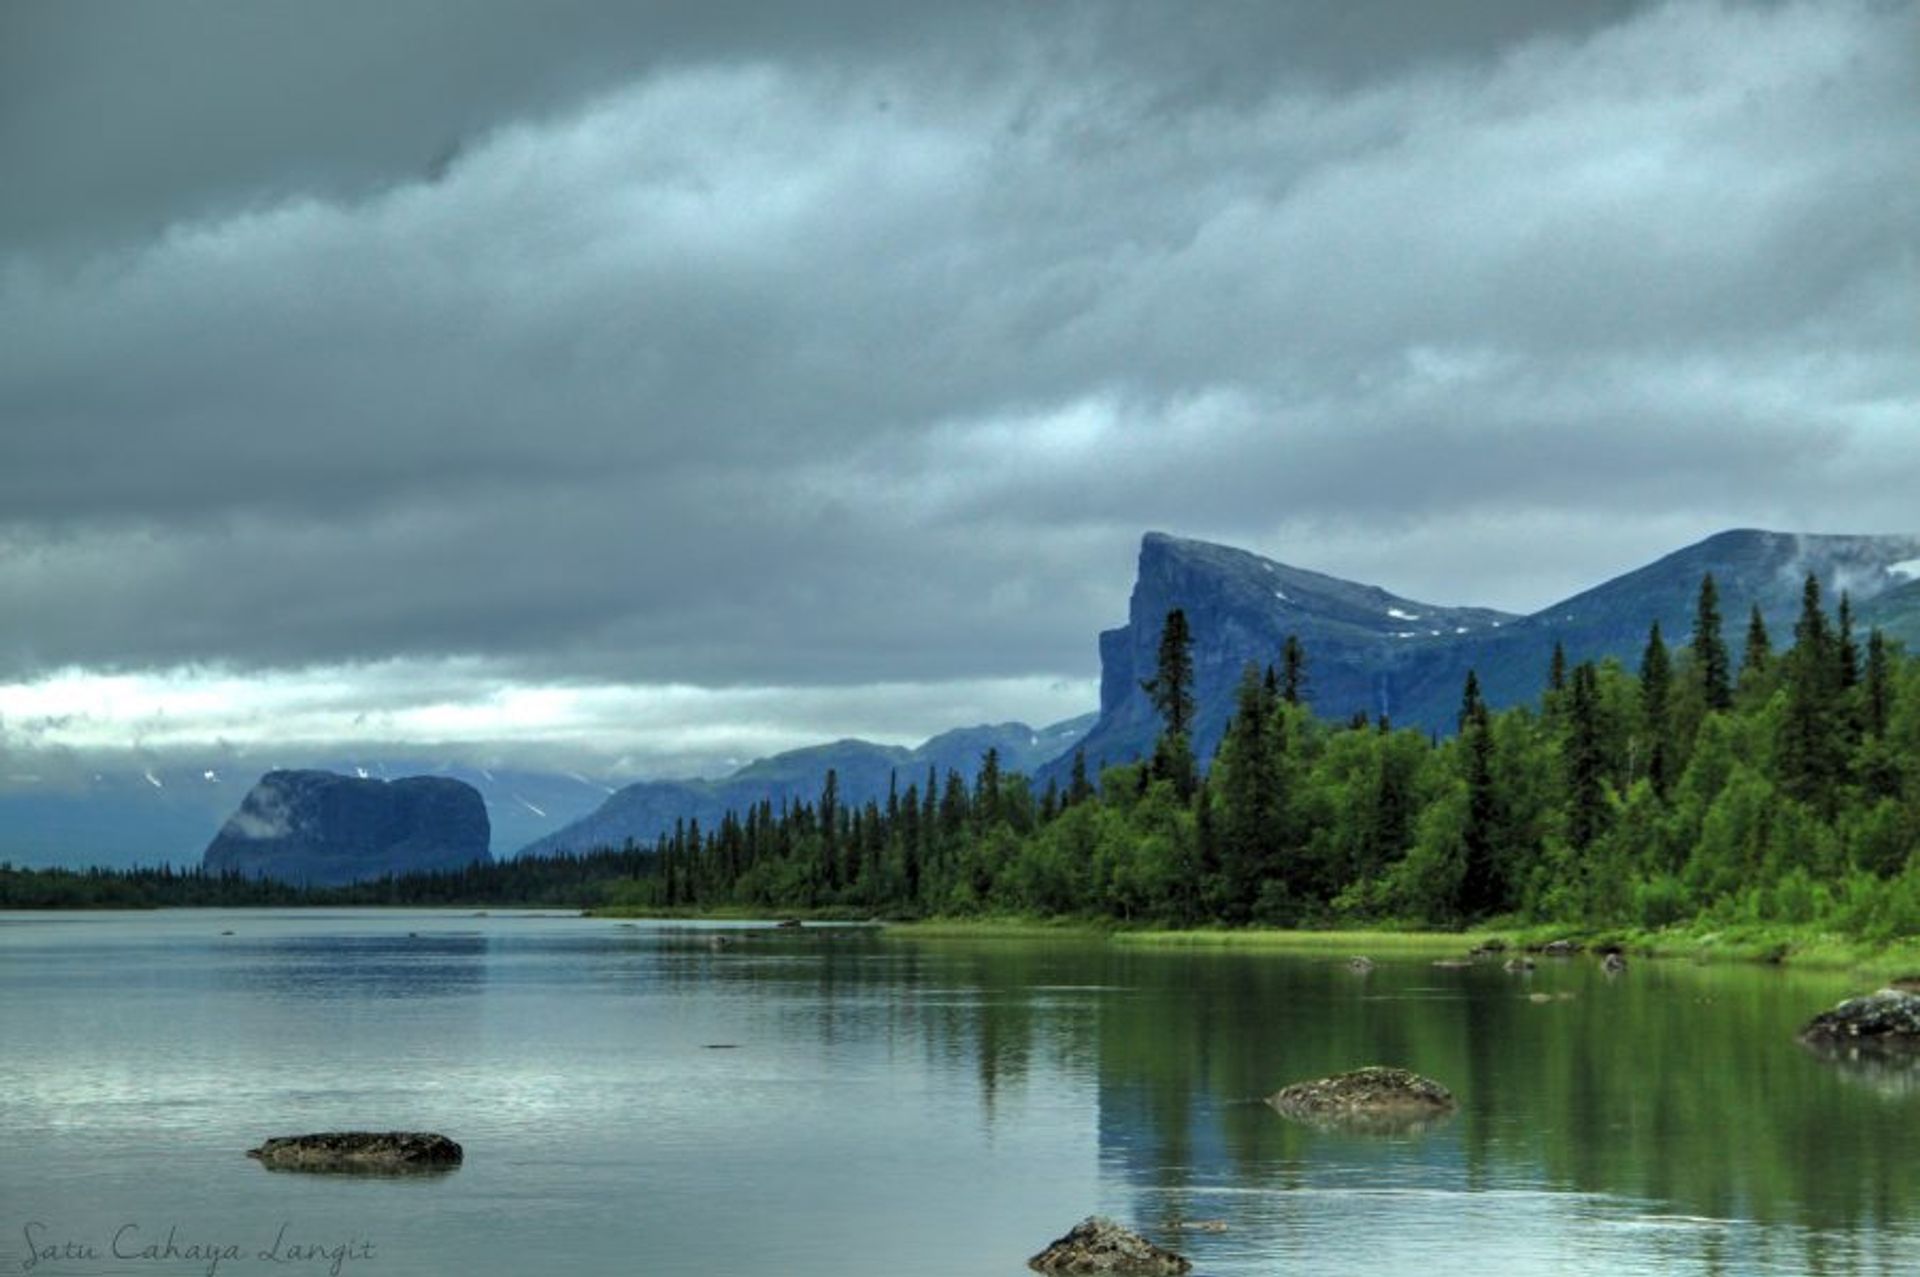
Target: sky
(647, 388)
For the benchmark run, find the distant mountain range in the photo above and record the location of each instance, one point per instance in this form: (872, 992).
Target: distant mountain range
(156, 815)
(862, 771)
(1376, 653)
(1368, 651)
(168, 814)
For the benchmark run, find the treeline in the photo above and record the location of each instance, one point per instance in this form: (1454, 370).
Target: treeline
(1781, 787)
(562, 881)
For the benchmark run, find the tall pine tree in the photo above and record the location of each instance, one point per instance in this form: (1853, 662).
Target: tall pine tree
(1711, 663)
(1171, 690)
(1656, 684)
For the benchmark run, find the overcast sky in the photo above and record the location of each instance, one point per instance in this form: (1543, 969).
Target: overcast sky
(657, 386)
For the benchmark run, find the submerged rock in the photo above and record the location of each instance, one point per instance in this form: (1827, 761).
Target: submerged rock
(1360, 965)
(364, 1152)
(1613, 963)
(1889, 1018)
(1519, 964)
(1098, 1245)
(1369, 1099)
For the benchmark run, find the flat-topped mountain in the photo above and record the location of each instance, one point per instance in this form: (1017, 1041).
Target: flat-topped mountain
(1376, 653)
(862, 771)
(323, 829)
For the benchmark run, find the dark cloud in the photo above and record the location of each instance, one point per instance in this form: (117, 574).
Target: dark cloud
(703, 345)
(118, 119)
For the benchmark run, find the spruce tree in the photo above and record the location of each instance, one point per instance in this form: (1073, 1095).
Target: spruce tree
(1759, 653)
(1846, 652)
(1079, 788)
(1809, 750)
(1656, 683)
(1879, 685)
(1584, 759)
(1470, 700)
(1482, 886)
(1711, 663)
(986, 790)
(1250, 796)
(1171, 689)
(1293, 670)
(830, 829)
(1557, 669)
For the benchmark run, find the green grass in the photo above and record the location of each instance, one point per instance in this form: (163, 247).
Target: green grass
(1011, 927)
(1804, 947)
(730, 913)
(1348, 942)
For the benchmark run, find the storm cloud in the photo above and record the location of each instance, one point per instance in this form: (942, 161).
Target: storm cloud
(706, 347)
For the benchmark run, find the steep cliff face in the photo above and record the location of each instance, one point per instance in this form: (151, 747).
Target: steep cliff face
(1240, 609)
(323, 829)
(1377, 653)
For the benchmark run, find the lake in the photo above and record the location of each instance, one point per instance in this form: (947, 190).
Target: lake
(638, 1098)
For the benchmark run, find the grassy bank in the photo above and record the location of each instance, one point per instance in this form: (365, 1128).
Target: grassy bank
(1800, 947)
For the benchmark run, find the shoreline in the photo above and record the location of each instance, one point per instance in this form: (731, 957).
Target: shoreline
(1801, 948)
(1804, 949)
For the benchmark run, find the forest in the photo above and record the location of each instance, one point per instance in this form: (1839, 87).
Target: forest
(1782, 787)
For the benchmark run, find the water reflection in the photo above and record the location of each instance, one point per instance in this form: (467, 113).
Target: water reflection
(419, 964)
(1675, 1098)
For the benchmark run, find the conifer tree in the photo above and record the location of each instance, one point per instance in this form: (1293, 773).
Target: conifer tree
(1759, 653)
(1711, 662)
(1079, 788)
(1557, 669)
(1171, 689)
(830, 829)
(1809, 747)
(1879, 685)
(1482, 888)
(1470, 700)
(1656, 682)
(986, 790)
(1250, 795)
(1584, 759)
(1846, 653)
(1293, 670)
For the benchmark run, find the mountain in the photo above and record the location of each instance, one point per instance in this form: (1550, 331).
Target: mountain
(863, 771)
(167, 813)
(1897, 612)
(324, 829)
(1373, 652)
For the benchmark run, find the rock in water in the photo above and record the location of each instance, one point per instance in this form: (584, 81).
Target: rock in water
(321, 829)
(1889, 1018)
(1098, 1245)
(365, 1152)
(1369, 1099)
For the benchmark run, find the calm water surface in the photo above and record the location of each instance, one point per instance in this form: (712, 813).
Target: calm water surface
(636, 1099)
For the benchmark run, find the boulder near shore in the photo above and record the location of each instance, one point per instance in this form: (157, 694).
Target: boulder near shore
(1372, 1098)
(1098, 1245)
(372, 1152)
(1888, 1018)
